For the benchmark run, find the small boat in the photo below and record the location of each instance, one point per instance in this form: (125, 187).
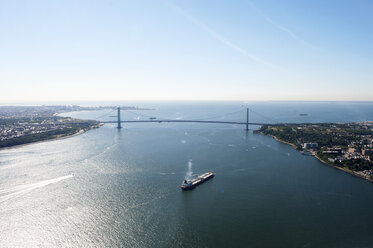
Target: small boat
(191, 184)
(152, 118)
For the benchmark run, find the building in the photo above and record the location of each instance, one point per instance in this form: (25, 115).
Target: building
(310, 145)
(351, 150)
(367, 152)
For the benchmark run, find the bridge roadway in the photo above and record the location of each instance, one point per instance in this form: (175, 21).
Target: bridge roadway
(192, 121)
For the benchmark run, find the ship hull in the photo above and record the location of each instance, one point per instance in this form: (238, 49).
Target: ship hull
(197, 181)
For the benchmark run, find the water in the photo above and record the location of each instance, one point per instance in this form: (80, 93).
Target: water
(120, 188)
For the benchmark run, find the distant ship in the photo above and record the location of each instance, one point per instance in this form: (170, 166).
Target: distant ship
(191, 184)
(303, 114)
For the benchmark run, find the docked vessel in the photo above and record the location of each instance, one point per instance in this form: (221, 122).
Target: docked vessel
(191, 184)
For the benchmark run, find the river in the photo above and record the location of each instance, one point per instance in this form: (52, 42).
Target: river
(121, 188)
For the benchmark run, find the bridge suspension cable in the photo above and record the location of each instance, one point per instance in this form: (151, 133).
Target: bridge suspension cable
(271, 120)
(195, 119)
(220, 116)
(131, 112)
(105, 114)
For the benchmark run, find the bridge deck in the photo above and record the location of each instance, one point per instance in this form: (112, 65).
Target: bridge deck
(192, 121)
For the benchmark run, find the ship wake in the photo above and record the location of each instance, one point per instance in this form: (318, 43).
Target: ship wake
(7, 194)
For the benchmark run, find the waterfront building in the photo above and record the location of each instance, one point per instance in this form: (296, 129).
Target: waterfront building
(310, 145)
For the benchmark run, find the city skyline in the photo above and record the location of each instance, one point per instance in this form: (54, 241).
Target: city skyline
(186, 50)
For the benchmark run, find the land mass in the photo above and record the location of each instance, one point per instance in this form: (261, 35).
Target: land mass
(346, 146)
(21, 125)
(26, 124)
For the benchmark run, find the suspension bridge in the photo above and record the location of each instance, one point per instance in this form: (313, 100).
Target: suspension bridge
(156, 120)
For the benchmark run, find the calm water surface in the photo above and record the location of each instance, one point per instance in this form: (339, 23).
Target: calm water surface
(120, 188)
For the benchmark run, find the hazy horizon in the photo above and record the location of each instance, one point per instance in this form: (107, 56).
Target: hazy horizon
(108, 102)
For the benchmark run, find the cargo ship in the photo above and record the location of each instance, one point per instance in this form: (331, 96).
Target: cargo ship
(191, 184)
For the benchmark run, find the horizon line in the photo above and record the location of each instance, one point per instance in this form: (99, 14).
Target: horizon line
(62, 102)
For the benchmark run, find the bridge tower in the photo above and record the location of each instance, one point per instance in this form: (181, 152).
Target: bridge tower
(247, 119)
(119, 126)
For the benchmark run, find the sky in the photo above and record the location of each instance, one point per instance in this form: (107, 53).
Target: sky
(77, 50)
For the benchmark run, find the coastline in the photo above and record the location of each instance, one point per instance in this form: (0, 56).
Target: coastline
(342, 169)
(322, 161)
(81, 131)
(281, 141)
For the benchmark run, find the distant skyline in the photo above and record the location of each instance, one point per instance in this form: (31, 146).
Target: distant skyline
(60, 51)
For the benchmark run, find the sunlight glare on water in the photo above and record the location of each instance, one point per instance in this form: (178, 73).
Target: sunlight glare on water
(121, 188)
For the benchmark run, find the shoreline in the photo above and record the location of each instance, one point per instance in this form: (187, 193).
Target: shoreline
(81, 131)
(342, 169)
(322, 161)
(281, 141)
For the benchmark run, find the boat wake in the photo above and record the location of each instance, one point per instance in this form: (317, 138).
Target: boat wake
(8, 194)
(136, 206)
(166, 173)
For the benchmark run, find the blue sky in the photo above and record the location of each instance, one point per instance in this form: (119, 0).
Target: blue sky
(186, 50)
